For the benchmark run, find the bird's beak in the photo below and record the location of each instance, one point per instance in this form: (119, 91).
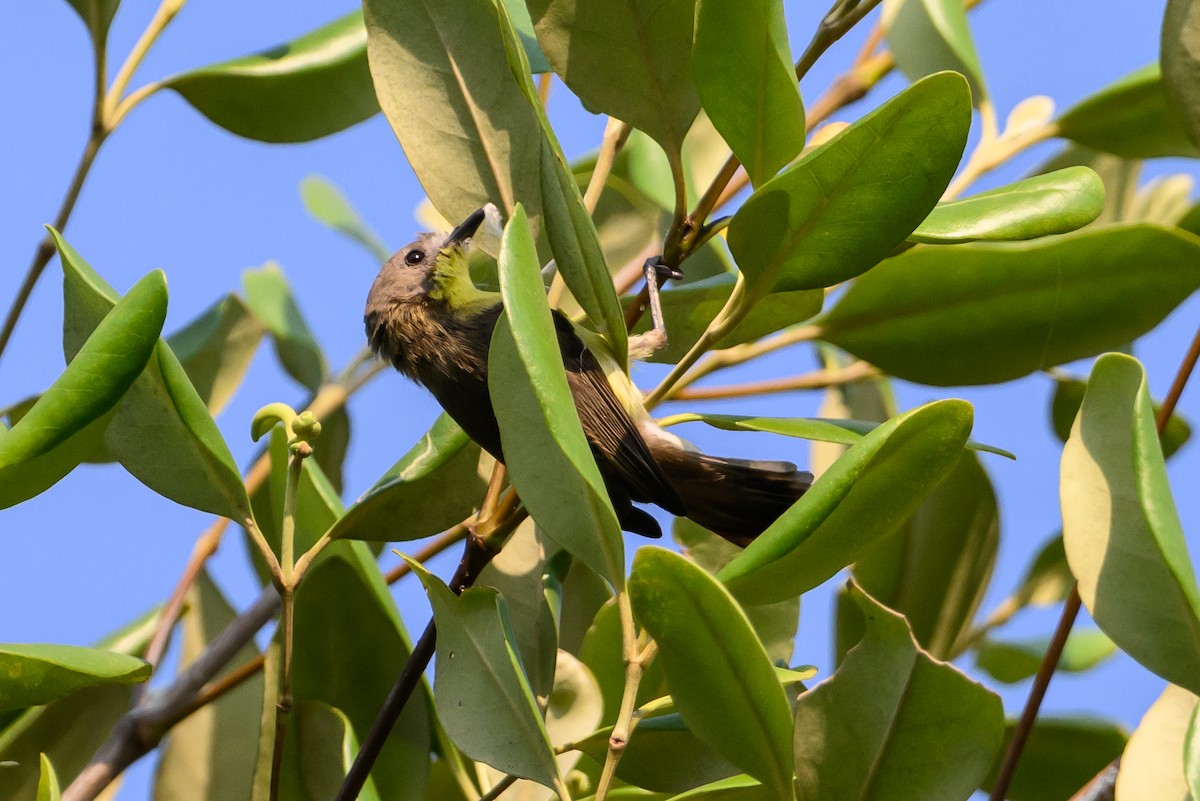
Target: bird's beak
(466, 229)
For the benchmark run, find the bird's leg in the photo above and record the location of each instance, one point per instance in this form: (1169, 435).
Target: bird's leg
(656, 273)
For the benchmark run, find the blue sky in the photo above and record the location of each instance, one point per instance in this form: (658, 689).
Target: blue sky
(172, 191)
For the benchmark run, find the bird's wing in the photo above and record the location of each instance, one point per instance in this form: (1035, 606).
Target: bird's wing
(619, 448)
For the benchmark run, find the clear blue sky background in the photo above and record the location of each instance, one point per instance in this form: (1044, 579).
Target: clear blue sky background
(172, 191)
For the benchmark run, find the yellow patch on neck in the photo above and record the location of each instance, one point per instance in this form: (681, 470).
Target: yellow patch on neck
(452, 285)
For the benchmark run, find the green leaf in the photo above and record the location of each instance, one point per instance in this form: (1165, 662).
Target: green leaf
(478, 674)
(1152, 764)
(518, 14)
(871, 399)
(328, 205)
(1010, 662)
(97, 15)
(210, 755)
(33, 477)
(847, 204)
(1068, 395)
(1061, 756)
(819, 429)
(630, 60)
(70, 729)
(548, 457)
(1048, 579)
(215, 349)
(270, 298)
(603, 654)
(48, 789)
(304, 89)
(1191, 755)
(688, 310)
(161, 431)
(1180, 59)
(411, 499)
(986, 313)
(861, 499)
(718, 672)
(1130, 118)
(349, 646)
(872, 727)
(927, 36)
(1122, 533)
(104, 368)
(324, 744)
(37, 674)
(935, 569)
(1053, 203)
(775, 624)
(456, 90)
(753, 100)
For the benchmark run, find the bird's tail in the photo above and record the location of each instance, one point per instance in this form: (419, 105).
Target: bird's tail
(735, 498)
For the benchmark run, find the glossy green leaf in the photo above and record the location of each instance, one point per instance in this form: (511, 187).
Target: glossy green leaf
(215, 349)
(1122, 534)
(548, 457)
(1061, 756)
(1180, 60)
(349, 646)
(1064, 407)
(861, 499)
(735, 788)
(37, 674)
(1129, 118)
(630, 60)
(688, 310)
(871, 399)
(986, 313)
(819, 429)
(70, 729)
(775, 624)
(753, 100)
(478, 674)
(272, 96)
(926, 36)
(48, 789)
(97, 15)
(34, 476)
(868, 732)
(210, 755)
(270, 298)
(1152, 764)
(104, 368)
(718, 672)
(1054, 203)
(410, 500)
(454, 85)
(935, 569)
(161, 431)
(847, 204)
(327, 204)
(1012, 661)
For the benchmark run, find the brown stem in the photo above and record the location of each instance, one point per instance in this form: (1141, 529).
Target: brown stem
(498, 789)
(1071, 608)
(1103, 787)
(818, 379)
(45, 250)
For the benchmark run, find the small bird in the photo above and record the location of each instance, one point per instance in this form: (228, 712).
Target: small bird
(426, 316)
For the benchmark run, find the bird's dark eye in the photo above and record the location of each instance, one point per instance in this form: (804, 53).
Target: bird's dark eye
(414, 257)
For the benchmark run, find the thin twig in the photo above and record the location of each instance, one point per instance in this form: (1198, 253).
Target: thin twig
(817, 379)
(1103, 787)
(1071, 608)
(498, 788)
(626, 716)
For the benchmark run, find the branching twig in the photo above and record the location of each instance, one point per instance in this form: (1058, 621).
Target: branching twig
(1054, 650)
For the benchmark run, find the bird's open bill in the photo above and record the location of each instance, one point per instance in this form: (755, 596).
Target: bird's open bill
(466, 228)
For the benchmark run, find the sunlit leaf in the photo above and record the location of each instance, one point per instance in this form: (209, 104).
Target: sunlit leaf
(1054, 203)
(48, 789)
(327, 204)
(1068, 395)
(215, 349)
(871, 728)
(1129, 118)
(1122, 533)
(548, 457)
(753, 100)
(862, 498)
(37, 674)
(986, 313)
(310, 87)
(716, 667)
(1152, 765)
(848, 203)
